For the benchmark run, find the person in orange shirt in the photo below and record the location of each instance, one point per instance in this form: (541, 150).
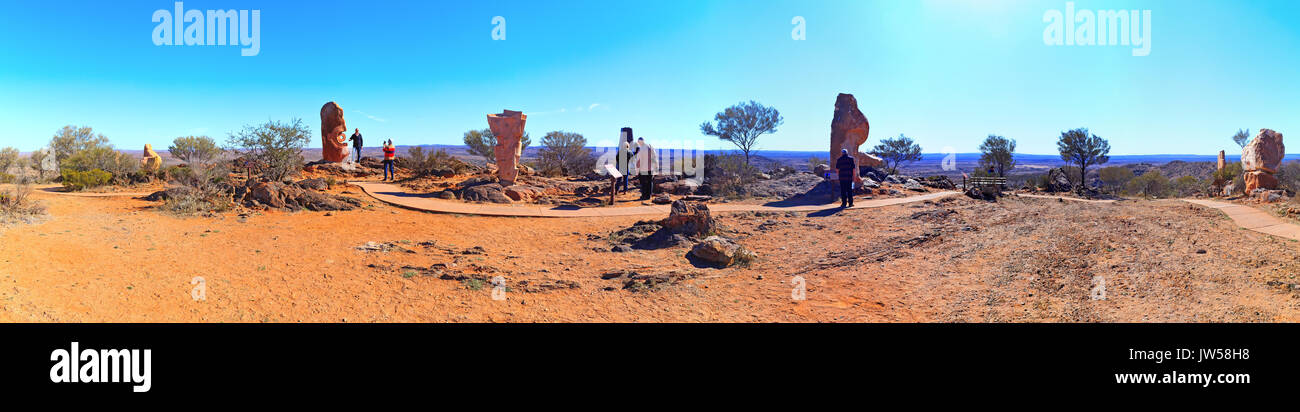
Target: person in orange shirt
(390, 154)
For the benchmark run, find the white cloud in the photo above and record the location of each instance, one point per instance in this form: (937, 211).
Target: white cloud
(371, 117)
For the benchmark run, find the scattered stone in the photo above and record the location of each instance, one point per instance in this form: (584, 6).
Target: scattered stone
(689, 218)
(485, 193)
(621, 248)
(913, 185)
(313, 184)
(662, 199)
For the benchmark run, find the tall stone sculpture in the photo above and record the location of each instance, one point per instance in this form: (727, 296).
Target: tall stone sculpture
(849, 130)
(1218, 177)
(150, 161)
(334, 148)
(1261, 158)
(508, 127)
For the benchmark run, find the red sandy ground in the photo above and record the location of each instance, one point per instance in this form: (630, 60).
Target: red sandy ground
(1019, 260)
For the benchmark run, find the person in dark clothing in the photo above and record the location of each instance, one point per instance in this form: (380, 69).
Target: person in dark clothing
(645, 165)
(847, 169)
(624, 159)
(356, 143)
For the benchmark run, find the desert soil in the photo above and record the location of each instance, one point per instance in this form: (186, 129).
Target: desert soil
(117, 259)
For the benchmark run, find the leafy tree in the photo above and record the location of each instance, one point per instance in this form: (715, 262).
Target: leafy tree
(1150, 184)
(195, 149)
(1186, 186)
(42, 162)
(8, 158)
(481, 143)
(70, 140)
(1242, 137)
(815, 161)
(999, 153)
(742, 124)
(274, 147)
(565, 153)
(1082, 149)
(897, 151)
(1115, 177)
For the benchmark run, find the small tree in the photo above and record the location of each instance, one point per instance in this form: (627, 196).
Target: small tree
(1115, 177)
(1150, 184)
(70, 140)
(897, 151)
(1186, 186)
(565, 153)
(1242, 137)
(482, 142)
(275, 147)
(815, 161)
(195, 149)
(999, 153)
(742, 124)
(42, 163)
(8, 158)
(1080, 148)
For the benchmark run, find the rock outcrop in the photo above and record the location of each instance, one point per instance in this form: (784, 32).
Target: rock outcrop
(150, 161)
(849, 130)
(508, 127)
(334, 147)
(689, 218)
(1260, 160)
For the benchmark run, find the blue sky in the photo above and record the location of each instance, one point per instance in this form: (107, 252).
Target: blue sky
(945, 73)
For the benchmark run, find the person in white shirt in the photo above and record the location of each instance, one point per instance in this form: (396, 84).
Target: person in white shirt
(645, 165)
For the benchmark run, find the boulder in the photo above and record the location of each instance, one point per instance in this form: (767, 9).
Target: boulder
(313, 184)
(1266, 195)
(1228, 189)
(508, 127)
(689, 218)
(1057, 181)
(169, 193)
(345, 169)
(721, 252)
(150, 161)
(913, 185)
(281, 196)
(849, 130)
(662, 199)
(1264, 152)
(334, 146)
(446, 194)
(521, 193)
(1260, 179)
(484, 193)
(821, 170)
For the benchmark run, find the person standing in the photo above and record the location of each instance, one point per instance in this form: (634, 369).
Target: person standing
(356, 143)
(846, 168)
(645, 165)
(624, 159)
(390, 154)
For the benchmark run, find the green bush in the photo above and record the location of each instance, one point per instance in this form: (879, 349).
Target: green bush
(1150, 184)
(435, 163)
(6, 178)
(729, 174)
(74, 180)
(120, 166)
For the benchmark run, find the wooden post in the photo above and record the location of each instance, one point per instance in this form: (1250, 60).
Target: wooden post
(613, 188)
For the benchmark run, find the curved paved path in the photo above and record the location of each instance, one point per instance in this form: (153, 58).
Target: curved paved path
(396, 195)
(1072, 199)
(1253, 219)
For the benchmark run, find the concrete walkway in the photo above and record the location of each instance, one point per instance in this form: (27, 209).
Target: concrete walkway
(1072, 199)
(1253, 219)
(396, 195)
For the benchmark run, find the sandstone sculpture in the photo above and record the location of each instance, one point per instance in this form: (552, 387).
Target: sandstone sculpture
(508, 127)
(1218, 177)
(849, 130)
(1261, 158)
(334, 147)
(150, 161)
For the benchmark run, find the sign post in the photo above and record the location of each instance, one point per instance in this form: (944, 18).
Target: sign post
(613, 181)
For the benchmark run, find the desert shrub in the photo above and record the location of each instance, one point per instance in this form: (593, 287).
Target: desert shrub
(729, 174)
(565, 153)
(120, 166)
(274, 147)
(1150, 184)
(16, 204)
(6, 178)
(74, 180)
(197, 201)
(1186, 186)
(815, 161)
(1231, 173)
(1115, 177)
(437, 162)
(195, 149)
(42, 164)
